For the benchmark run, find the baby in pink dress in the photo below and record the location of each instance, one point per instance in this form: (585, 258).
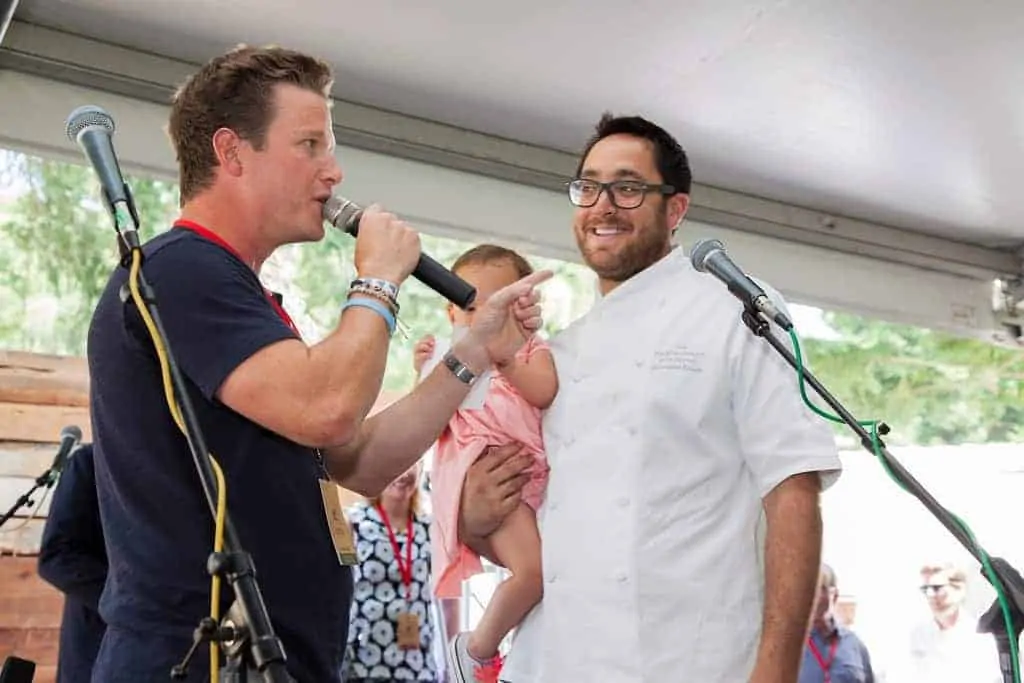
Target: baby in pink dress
(511, 413)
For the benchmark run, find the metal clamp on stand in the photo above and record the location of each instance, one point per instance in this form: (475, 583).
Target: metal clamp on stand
(252, 655)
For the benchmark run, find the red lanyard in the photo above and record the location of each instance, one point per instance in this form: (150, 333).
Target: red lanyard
(211, 236)
(825, 664)
(404, 569)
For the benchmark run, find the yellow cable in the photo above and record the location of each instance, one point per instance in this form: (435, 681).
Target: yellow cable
(172, 404)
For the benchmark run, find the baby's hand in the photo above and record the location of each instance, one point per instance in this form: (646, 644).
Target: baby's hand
(423, 350)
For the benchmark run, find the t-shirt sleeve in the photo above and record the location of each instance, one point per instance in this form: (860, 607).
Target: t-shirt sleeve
(214, 310)
(779, 435)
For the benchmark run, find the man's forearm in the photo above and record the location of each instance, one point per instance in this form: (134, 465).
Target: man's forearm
(354, 383)
(392, 440)
(792, 565)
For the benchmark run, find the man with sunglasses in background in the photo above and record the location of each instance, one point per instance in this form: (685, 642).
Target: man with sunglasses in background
(947, 648)
(681, 530)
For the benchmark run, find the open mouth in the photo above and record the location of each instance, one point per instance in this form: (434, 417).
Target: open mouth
(607, 232)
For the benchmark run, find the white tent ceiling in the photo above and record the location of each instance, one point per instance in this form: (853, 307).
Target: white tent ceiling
(858, 153)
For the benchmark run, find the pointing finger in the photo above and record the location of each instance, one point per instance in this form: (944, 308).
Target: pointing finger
(522, 288)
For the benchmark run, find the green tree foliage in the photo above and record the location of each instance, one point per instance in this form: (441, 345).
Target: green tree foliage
(57, 248)
(931, 388)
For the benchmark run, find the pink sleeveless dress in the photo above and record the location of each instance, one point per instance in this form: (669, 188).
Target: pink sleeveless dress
(505, 417)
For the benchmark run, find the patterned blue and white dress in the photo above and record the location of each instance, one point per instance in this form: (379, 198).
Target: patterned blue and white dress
(373, 653)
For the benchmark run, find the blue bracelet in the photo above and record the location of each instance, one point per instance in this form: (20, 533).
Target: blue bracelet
(377, 307)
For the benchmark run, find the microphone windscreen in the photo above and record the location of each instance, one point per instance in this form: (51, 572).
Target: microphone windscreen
(701, 250)
(86, 116)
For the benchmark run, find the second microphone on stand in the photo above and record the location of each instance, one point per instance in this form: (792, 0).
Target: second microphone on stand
(345, 215)
(708, 256)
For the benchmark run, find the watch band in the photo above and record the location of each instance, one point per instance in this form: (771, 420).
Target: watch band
(458, 368)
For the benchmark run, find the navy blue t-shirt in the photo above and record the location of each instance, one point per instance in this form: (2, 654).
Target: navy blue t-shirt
(158, 527)
(73, 558)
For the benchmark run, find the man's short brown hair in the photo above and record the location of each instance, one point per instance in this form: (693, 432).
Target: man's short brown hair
(236, 91)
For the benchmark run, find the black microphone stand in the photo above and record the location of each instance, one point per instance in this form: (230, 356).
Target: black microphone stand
(1009, 578)
(47, 479)
(252, 650)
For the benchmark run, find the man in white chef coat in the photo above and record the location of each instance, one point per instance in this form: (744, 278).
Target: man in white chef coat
(681, 530)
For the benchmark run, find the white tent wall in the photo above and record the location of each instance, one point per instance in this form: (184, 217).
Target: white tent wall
(878, 536)
(471, 206)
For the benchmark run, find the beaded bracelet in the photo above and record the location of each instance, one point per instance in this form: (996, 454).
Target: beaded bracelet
(376, 294)
(389, 289)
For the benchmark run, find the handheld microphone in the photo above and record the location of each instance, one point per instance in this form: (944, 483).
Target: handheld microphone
(70, 437)
(345, 215)
(92, 129)
(708, 256)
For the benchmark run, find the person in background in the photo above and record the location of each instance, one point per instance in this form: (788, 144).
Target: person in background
(391, 630)
(947, 648)
(834, 653)
(73, 558)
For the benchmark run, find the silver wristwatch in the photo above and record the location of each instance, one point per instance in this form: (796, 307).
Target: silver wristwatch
(458, 368)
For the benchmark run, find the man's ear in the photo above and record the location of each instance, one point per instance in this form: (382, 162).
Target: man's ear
(676, 209)
(226, 147)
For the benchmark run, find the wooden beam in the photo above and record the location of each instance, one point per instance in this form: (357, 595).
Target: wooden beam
(41, 424)
(45, 362)
(20, 537)
(30, 614)
(23, 459)
(26, 600)
(43, 379)
(18, 386)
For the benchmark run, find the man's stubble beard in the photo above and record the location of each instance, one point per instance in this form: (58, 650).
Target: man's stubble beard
(648, 247)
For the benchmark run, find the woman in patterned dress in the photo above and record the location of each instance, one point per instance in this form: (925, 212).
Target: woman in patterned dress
(391, 629)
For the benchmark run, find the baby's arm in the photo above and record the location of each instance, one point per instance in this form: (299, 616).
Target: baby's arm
(534, 377)
(421, 353)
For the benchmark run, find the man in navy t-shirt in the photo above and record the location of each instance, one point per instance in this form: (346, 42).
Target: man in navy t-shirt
(253, 135)
(73, 558)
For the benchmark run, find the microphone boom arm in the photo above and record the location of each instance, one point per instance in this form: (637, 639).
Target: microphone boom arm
(1005, 618)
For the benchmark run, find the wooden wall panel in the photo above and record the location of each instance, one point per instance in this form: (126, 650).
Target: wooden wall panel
(30, 611)
(40, 395)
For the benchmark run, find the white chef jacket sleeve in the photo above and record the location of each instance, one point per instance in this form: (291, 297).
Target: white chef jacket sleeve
(778, 434)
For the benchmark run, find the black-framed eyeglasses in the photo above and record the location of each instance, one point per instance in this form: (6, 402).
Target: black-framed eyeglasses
(625, 194)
